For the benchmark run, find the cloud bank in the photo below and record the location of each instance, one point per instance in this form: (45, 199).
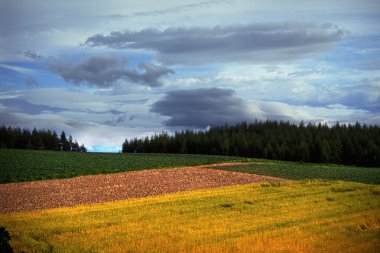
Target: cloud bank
(104, 71)
(201, 107)
(240, 43)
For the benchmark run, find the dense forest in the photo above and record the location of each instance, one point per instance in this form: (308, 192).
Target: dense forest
(342, 144)
(37, 139)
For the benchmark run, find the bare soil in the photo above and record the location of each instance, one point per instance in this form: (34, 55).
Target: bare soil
(28, 196)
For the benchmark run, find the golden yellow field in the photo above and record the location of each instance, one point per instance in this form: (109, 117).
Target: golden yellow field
(304, 216)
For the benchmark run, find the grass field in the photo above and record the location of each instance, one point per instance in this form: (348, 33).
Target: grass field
(302, 216)
(30, 165)
(297, 171)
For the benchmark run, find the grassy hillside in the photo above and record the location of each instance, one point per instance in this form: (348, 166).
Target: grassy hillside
(29, 165)
(296, 171)
(305, 216)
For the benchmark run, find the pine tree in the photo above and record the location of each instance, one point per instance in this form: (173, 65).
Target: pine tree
(64, 143)
(347, 144)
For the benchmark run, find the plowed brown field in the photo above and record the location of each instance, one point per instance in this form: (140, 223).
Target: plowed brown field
(28, 196)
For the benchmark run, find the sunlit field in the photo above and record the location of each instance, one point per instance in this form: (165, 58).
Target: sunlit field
(303, 216)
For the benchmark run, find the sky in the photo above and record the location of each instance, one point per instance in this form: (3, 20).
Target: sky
(104, 71)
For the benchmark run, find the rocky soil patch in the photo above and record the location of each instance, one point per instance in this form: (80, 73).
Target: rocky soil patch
(28, 196)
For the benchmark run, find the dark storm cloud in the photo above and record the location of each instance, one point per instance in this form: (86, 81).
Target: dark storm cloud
(201, 107)
(240, 43)
(103, 71)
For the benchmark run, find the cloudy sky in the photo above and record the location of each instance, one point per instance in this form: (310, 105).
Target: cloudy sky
(104, 71)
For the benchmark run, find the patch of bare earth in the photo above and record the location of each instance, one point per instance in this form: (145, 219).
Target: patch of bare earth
(28, 196)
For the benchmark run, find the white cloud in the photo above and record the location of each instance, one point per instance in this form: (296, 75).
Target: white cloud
(98, 121)
(95, 136)
(18, 69)
(329, 114)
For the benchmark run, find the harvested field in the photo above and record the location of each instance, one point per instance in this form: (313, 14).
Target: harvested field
(28, 196)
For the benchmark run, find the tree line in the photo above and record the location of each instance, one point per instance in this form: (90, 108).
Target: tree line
(15, 137)
(342, 144)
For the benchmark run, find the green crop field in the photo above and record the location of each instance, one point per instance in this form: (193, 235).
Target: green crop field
(30, 165)
(300, 216)
(297, 171)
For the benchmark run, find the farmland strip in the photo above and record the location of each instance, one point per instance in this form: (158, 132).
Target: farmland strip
(28, 196)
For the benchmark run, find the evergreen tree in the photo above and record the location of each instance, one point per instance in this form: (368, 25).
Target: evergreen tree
(37, 139)
(82, 148)
(26, 139)
(64, 143)
(71, 143)
(54, 141)
(348, 144)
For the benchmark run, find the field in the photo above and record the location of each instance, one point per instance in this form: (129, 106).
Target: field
(30, 165)
(297, 171)
(306, 216)
(322, 208)
(29, 196)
